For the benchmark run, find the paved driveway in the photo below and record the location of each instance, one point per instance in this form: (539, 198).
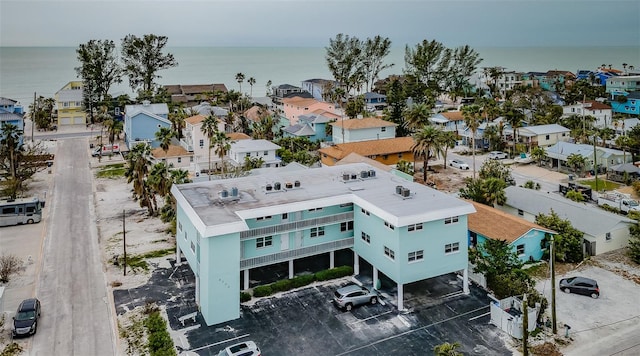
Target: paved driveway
(305, 322)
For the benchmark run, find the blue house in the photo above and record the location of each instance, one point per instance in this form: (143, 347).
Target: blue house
(142, 121)
(228, 228)
(319, 88)
(630, 106)
(375, 101)
(313, 126)
(524, 237)
(11, 113)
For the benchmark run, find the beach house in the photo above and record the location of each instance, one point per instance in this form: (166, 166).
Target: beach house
(295, 106)
(10, 114)
(387, 151)
(600, 111)
(226, 229)
(362, 129)
(142, 121)
(69, 104)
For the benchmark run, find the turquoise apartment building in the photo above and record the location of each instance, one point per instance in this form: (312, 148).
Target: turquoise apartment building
(227, 228)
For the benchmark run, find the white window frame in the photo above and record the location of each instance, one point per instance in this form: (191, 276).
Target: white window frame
(389, 225)
(451, 220)
(415, 256)
(520, 249)
(607, 236)
(317, 231)
(452, 248)
(346, 226)
(414, 227)
(391, 254)
(264, 242)
(365, 237)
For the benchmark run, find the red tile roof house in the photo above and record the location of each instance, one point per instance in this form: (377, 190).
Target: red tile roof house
(296, 106)
(364, 129)
(387, 151)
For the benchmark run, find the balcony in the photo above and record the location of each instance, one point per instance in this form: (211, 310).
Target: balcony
(296, 225)
(285, 256)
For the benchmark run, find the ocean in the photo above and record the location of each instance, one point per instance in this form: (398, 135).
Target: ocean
(44, 70)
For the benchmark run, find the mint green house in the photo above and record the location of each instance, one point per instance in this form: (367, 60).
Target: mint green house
(227, 228)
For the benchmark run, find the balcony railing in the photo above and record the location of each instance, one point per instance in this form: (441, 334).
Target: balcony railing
(284, 256)
(296, 225)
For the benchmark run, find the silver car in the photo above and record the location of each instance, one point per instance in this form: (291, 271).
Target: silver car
(248, 348)
(354, 295)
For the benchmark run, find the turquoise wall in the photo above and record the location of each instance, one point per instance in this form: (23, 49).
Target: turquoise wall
(532, 245)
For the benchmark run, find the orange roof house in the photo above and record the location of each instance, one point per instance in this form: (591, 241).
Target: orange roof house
(296, 106)
(386, 151)
(364, 129)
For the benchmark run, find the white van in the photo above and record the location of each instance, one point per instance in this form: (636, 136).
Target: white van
(106, 150)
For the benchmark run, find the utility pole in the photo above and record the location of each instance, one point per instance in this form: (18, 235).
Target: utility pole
(33, 115)
(124, 243)
(552, 259)
(525, 327)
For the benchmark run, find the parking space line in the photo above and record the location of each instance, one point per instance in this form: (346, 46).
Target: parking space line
(479, 316)
(219, 342)
(369, 318)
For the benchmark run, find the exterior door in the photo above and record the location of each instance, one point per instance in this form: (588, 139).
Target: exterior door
(284, 242)
(299, 238)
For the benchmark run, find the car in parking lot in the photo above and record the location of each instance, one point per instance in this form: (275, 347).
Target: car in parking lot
(247, 348)
(354, 295)
(498, 155)
(457, 163)
(580, 285)
(25, 322)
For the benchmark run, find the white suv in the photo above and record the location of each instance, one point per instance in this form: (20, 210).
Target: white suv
(497, 155)
(248, 348)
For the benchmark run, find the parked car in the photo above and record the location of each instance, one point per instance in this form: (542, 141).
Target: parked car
(354, 295)
(498, 155)
(580, 285)
(247, 348)
(456, 163)
(25, 322)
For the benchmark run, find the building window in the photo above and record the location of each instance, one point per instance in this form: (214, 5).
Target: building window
(383, 129)
(315, 209)
(389, 253)
(190, 158)
(266, 153)
(399, 155)
(201, 143)
(268, 217)
(317, 231)
(520, 212)
(262, 242)
(607, 236)
(179, 159)
(365, 212)
(285, 216)
(185, 235)
(248, 154)
(451, 248)
(415, 256)
(390, 226)
(346, 226)
(414, 227)
(193, 247)
(385, 157)
(546, 137)
(520, 249)
(366, 238)
(179, 225)
(451, 220)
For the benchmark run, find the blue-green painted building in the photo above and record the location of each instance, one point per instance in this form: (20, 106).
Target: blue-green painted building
(227, 228)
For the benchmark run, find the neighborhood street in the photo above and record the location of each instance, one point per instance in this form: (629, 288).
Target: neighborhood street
(76, 317)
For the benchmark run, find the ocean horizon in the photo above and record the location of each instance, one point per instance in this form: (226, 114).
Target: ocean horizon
(44, 70)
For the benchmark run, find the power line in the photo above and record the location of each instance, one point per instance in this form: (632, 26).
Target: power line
(603, 326)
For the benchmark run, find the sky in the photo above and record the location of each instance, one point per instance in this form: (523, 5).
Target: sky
(311, 23)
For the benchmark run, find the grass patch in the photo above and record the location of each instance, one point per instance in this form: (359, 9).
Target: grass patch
(139, 261)
(602, 184)
(538, 271)
(111, 171)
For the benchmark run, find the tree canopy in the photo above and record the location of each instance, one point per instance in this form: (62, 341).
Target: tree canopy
(143, 57)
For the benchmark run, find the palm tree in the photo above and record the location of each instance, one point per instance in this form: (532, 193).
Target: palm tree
(417, 117)
(576, 161)
(447, 349)
(514, 117)
(251, 82)
(425, 141)
(164, 135)
(137, 172)
(240, 79)
(222, 144)
(209, 128)
(472, 114)
(538, 154)
(623, 142)
(177, 121)
(493, 191)
(10, 141)
(268, 87)
(446, 140)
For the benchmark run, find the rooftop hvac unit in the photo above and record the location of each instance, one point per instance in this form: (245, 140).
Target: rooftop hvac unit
(269, 187)
(296, 184)
(364, 174)
(406, 192)
(372, 173)
(345, 177)
(288, 185)
(224, 193)
(234, 192)
(399, 189)
(354, 176)
(277, 186)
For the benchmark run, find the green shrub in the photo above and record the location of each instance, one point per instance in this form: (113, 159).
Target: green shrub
(281, 285)
(262, 291)
(333, 273)
(244, 297)
(160, 343)
(301, 281)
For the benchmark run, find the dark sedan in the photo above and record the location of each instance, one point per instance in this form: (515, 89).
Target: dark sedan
(26, 320)
(580, 285)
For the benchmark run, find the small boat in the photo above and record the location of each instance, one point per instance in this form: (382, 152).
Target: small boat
(524, 158)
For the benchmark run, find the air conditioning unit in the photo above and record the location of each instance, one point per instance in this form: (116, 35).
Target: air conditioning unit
(277, 186)
(406, 192)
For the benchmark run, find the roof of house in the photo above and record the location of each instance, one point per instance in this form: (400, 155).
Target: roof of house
(370, 147)
(325, 113)
(356, 158)
(317, 187)
(69, 95)
(634, 95)
(190, 89)
(194, 120)
(235, 136)
(300, 130)
(156, 109)
(365, 123)
(453, 115)
(173, 151)
(498, 225)
(253, 145)
(595, 105)
(205, 108)
(584, 217)
(302, 94)
(319, 81)
(299, 101)
(316, 118)
(286, 87)
(255, 113)
(7, 101)
(9, 116)
(625, 167)
(542, 129)
(563, 149)
(373, 95)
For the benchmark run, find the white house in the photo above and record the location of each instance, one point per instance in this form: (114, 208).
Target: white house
(196, 142)
(175, 156)
(543, 135)
(365, 129)
(264, 149)
(601, 112)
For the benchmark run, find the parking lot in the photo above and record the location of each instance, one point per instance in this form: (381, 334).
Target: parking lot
(305, 321)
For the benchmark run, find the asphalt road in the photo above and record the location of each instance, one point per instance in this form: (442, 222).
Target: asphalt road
(76, 317)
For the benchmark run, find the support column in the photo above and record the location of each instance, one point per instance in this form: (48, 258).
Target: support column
(332, 257)
(246, 279)
(198, 291)
(356, 263)
(375, 278)
(465, 281)
(400, 297)
(178, 255)
(291, 274)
